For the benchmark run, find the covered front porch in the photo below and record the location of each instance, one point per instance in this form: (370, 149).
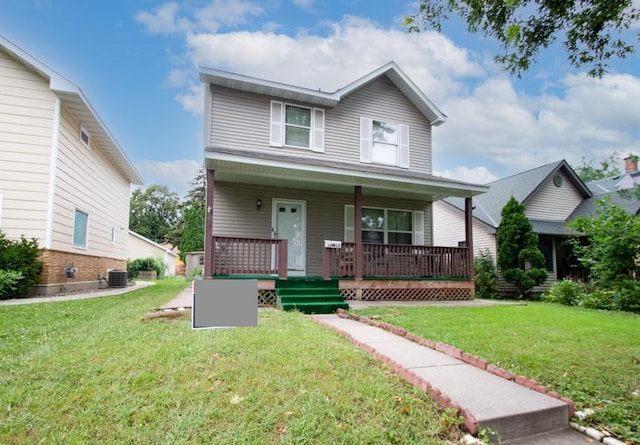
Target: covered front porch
(274, 217)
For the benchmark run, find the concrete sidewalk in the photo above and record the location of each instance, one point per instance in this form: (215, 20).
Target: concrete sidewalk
(78, 295)
(517, 414)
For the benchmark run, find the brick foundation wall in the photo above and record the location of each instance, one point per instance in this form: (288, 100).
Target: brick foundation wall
(88, 268)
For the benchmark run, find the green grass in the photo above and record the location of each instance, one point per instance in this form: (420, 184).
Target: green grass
(92, 371)
(591, 356)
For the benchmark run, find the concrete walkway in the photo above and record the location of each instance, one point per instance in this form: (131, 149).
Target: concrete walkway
(518, 415)
(79, 295)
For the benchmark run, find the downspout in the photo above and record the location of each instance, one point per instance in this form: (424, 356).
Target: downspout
(53, 168)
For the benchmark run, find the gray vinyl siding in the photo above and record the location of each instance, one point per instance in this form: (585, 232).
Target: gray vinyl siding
(235, 214)
(86, 180)
(26, 125)
(241, 120)
(553, 203)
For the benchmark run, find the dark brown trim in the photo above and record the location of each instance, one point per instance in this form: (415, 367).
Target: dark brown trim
(468, 226)
(357, 231)
(208, 227)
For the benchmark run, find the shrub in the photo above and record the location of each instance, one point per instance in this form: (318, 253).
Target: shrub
(21, 256)
(486, 276)
(146, 264)
(8, 283)
(628, 295)
(567, 292)
(599, 299)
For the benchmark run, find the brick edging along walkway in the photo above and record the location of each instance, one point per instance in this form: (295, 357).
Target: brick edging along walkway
(441, 399)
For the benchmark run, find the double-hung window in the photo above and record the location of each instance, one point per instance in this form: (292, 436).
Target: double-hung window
(297, 126)
(384, 143)
(386, 226)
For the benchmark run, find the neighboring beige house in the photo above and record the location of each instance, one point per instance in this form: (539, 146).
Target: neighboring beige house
(63, 178)
(553, 194)
(141, 247)
(307, 183)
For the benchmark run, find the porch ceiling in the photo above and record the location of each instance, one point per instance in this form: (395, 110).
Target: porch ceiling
(241, 166)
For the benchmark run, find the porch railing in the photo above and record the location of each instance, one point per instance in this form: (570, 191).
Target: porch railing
(249, 256)
(397, 260)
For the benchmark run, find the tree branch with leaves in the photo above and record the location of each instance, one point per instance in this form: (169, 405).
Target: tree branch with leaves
(592, 31)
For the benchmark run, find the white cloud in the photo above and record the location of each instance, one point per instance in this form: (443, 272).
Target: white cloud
(351, 49)
(171, 17)
(475, 175)
(176, 175)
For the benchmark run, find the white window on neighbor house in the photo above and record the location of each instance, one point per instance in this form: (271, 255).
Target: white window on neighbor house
(80, 229)
(384, 143)
(297, 126)
(386, 226)
(85, 137)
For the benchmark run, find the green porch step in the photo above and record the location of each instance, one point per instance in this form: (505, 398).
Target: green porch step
(310, 295)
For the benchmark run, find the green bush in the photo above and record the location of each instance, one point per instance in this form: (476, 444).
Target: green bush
(145, 264)
(599, 299)
(628, 295)
(568, 292)
(8, 283)
(486, 277)
(21, 256)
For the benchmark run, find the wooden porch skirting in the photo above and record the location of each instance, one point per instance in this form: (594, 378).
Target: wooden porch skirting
(387, 290)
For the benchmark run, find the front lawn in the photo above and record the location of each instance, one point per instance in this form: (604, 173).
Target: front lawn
(591, 356)
(92, 371)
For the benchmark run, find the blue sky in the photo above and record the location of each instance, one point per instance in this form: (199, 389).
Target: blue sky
(137, 62)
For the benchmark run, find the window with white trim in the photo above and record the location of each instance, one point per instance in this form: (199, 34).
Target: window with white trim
(85, 137)
(386, 226)
(297, 126)
(80, 229)
(384, 143)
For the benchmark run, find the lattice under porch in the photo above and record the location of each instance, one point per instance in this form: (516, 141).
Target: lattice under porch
(387, 290)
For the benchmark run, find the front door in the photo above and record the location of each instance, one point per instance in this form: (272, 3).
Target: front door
(289, 222)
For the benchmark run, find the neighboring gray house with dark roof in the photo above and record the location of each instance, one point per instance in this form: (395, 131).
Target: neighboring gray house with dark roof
(553, 194)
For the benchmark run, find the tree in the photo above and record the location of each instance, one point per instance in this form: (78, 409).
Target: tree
(613, 249)
(154, 213)
(519, 258)
(193, 213)
(607, 169)
(593, 29)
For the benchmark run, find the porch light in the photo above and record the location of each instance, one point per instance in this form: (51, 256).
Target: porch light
(258, 203)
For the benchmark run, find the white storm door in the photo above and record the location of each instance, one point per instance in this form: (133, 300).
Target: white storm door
(289, 222)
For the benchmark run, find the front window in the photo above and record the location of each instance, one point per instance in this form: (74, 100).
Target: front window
(387, 226)
(297, 126)
(80, 225)
(384, 148)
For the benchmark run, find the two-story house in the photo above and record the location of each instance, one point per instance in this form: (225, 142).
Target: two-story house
(64, 179)
(307, 183)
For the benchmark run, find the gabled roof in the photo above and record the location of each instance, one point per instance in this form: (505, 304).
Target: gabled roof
(321, 98)
(75, 101)
(166, 249)
(522, 186)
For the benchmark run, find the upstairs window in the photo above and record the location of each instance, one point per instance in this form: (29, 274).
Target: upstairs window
(297, 126)
(384, 143)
